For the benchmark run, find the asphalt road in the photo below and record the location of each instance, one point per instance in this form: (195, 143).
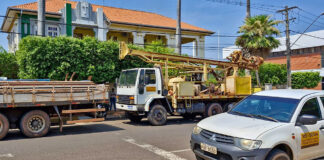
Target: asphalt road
(109, 140)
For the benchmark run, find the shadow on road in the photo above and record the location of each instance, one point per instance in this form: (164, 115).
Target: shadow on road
(67, 130)
(172, 120)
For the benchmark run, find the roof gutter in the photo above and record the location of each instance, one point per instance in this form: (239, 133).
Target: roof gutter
(143, 25)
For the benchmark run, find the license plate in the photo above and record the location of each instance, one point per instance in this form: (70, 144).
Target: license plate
(208, 148)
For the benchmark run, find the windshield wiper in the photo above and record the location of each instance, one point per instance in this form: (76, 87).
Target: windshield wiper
(265, 117)
(242, 114)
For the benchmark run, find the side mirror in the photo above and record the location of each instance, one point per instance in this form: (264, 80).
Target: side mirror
(306, 119)
(141, 89)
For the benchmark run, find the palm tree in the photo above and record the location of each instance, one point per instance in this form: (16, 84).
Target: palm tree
(257, 37)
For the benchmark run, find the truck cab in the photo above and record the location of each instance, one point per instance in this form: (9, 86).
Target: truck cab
(138, 91)
(271, 125)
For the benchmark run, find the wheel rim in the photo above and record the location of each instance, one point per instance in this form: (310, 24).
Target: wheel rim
(36, 123)
(158, 115)
(1, 126)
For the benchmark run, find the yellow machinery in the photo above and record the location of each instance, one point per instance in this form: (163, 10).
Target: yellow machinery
(231, 84)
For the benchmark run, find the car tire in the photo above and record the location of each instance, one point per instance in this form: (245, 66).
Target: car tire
(157, 115)
(4, 126)
(278, 154)
(35, 123)
(213, 109)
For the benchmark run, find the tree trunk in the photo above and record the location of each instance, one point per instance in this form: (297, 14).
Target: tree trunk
(257, 78)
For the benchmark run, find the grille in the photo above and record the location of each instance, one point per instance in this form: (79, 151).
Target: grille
(215, 137)
(123, 99)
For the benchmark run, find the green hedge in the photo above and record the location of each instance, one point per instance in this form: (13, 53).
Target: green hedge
(46, 57)
(276, 74)
(300, 80)
(8, 64)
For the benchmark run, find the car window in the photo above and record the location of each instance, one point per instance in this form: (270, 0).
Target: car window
(311, 107)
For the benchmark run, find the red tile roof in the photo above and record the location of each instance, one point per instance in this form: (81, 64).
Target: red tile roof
(120, 15)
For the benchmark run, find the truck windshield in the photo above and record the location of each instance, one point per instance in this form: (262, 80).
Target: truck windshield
(267, 108)
(128, 78)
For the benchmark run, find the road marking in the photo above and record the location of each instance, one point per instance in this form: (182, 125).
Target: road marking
(165, 154)
(9, 155)
(182, 150)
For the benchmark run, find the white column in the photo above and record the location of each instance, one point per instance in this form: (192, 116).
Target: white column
(102, 28)
(170, 41)
(201, 47)
(138, 38)
(195, 44)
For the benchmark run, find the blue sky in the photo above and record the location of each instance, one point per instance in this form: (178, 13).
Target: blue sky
(212, 15)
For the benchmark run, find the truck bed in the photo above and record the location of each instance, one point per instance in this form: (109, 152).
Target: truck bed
(32, 93)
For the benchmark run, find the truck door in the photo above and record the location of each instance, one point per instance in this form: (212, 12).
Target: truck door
(147, 85)
(308, 137)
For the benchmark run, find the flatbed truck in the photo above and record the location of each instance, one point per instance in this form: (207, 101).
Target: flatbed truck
(32, 106)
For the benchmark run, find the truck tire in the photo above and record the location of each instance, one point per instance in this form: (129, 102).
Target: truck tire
(4, 126)
(35, 123)
(213, 109)
(278, 154)
(133, 118)
(157, 115)
(228, 106)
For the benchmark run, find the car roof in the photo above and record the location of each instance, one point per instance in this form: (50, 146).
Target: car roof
(288, 93)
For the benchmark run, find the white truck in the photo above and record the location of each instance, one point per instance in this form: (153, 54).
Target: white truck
(147, 92)
(268, 125)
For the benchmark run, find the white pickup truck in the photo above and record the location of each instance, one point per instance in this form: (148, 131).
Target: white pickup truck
(270, 125)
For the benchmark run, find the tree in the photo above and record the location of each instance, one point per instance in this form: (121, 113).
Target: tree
(257, 37)
(8, 64)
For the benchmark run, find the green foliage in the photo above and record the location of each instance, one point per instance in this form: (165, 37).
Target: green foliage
(276, 74)
(158, 47)
(46, 57)
(8, 64)
(257, 35)
(300, 80)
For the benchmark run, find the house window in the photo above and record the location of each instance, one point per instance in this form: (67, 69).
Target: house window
(52, 31)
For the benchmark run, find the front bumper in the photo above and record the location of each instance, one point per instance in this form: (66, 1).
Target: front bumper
(225, 151)
(130, 107)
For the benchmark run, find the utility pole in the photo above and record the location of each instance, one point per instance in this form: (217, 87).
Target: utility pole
(248, 9)
(41, 18)
(178, 32)
(286, 13)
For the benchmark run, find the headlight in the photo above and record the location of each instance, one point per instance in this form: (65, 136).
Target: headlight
(247, 144)
(196, 130)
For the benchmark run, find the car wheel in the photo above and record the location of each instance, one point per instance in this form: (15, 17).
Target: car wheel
(35, 123)
(278, 154)
(4, 126)
(158, 115)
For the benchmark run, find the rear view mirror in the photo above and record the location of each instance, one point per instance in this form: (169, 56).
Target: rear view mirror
(307, 119)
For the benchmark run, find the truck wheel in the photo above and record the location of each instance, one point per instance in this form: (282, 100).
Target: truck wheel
(4, 126)
(228, 106)
(278, 154)
(214, 109)
(158, 115)
(35, 123)
(133, 118)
